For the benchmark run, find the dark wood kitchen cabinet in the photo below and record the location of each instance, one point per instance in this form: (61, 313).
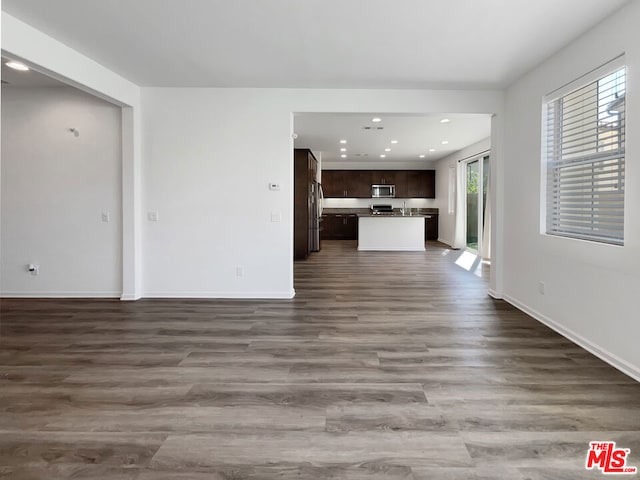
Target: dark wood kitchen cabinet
(333, 183)
(357, 183)
(305, 167)
(402, 184)
(431, 227)
(346, 183)
(421, 184)
(383, 177)
(337, 226)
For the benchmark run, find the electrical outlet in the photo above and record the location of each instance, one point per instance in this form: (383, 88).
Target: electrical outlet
(541, 288)
(106, 217)
(33, 269)
(152, 216)
(239, 271)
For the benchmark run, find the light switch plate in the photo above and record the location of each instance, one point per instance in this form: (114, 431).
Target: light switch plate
(276, 217)
(152, 216)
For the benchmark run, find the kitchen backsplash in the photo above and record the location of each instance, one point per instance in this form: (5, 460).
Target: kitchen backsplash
(366, 202)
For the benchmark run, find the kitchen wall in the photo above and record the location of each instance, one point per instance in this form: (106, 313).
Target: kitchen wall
(590, 289)
(209, 157)
(447, 219)
(55, 188)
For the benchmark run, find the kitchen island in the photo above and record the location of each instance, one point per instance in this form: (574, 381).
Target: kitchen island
(394, 233)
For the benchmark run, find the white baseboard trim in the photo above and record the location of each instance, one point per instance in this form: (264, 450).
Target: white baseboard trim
(60, 295)
(223, 295)
(394, 249)
(604, 355)
(130, 297)
(497, 296)
(446, 242)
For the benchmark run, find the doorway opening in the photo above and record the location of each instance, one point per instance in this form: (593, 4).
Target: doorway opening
(62, 207)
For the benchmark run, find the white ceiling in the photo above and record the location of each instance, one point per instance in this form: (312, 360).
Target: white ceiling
(316, 43)
(322, 132)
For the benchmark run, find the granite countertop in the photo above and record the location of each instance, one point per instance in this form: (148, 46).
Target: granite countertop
(395, 215)
(367, 212)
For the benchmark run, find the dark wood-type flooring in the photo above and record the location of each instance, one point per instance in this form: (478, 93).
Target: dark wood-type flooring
(385, 366)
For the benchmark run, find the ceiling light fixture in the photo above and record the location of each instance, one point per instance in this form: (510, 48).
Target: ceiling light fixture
(394, 141)
(343, 141)
(383, 156)
(387, 149)
(17, 66)
(445, 120)
(343, 156)
(421, 156)
(432, 149)
(445, 142)
(343, 149)
(376, 119)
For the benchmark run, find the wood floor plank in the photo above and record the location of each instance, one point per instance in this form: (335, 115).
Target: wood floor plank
(396, 448)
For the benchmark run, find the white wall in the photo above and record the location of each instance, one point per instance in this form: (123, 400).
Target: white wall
(55, 187)
(447, 221)
(48, 55)
(208, 159)
(591, 289)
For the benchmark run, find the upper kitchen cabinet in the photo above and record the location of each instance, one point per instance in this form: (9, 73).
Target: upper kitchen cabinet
(401, 183)
(383, 177)
(357, 183)
(334, 183)
(421, 184)
(346, 183)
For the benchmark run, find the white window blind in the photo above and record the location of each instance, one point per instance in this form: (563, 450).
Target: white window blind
(585, 160)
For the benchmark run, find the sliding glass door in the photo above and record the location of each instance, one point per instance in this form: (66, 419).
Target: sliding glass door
(476, 178)
(473, 232)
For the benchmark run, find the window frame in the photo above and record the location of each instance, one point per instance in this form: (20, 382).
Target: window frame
(554, 133)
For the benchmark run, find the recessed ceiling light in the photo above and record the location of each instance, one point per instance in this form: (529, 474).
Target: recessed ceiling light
(421, 156)
(432, 149)
(343, 141)
(383, 156)
(376, 119)
(387, 149)
(445, 120)
(343, 156)
(445, 142)
(394, 141)
(343, 149)
(17, 66)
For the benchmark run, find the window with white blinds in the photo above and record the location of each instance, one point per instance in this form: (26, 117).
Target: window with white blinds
(585, 160)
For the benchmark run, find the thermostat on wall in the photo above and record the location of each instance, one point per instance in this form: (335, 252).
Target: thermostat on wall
(274, 187)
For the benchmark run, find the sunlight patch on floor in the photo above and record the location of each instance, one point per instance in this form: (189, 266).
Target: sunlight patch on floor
(466, 260)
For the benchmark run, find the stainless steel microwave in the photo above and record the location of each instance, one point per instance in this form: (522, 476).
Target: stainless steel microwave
(383, 191)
